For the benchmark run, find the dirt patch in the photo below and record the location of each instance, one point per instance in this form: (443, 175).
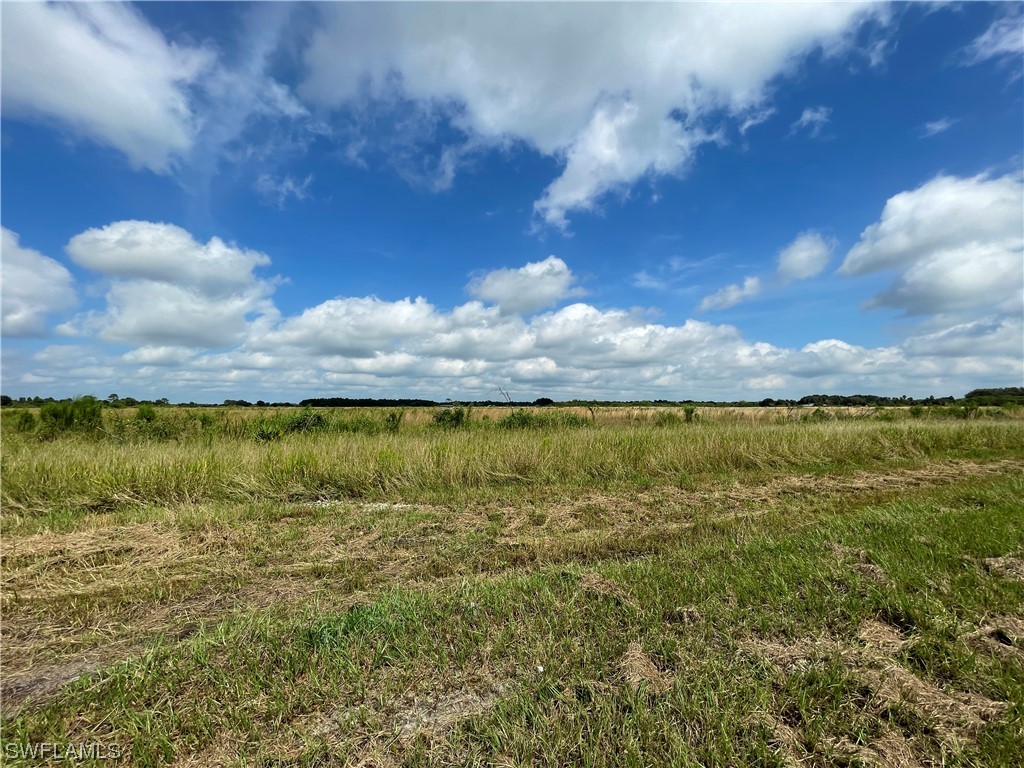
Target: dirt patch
(1006, 567)
(428, 712)
(599, 585)
(42, 682)
(639, 669)
(437, 712)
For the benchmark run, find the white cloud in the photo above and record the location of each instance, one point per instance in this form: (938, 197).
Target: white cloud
(958, 241)
(616, 91)
(353, 327)
(814, 119)
(731, 295)
(992, 337)
(935, 127)
(756, 118)
(1003, 40)
(151, 355)
(165, 253)
(975, 275)
(34, 286)
(527, 289)
(101, 70)
(277, 191)
(203, 328)
(805, 257)
(167, 289)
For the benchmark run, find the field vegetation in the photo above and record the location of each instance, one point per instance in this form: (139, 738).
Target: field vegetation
(515, 586)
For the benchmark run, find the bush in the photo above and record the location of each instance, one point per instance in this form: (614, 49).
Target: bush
(25, 422)
(527, 420)
(668, 419)
(83, 414)
(452, 417)
(392, 421)
(307, 421)
(145, 414)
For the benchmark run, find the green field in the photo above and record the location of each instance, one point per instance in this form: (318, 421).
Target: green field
(763, 587)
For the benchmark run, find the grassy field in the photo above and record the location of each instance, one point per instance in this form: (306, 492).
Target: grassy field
(626, 587)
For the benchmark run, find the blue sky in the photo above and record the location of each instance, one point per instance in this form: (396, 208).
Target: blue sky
(205, 201)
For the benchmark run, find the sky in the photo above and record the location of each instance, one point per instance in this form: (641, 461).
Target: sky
(210, 201)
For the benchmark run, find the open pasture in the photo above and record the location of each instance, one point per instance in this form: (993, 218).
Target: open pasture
(771, 587)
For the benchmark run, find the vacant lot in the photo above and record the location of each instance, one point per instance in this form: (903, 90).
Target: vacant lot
(648, 587)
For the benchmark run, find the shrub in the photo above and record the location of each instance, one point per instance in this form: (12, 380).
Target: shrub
(668, 419)
(392, 421)
(817, 415)
(307, 421)
(145, 413)
(527, 420)
(452, 417)
(83, 414)
(691, 412)
(25, 422)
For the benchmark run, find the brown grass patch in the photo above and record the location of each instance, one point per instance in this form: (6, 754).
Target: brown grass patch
(999, 636)
(955, 716)
(881, 640)
(638, 670)
(891, 749)
(1007, 567)
(874, 572)
(598, 584)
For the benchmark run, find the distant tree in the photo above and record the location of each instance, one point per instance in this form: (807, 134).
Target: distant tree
(543, 401)
(5, 400)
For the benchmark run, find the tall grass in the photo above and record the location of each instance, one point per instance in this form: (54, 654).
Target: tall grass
(74, 471)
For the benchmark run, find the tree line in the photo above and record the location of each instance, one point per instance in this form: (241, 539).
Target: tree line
(990, 397)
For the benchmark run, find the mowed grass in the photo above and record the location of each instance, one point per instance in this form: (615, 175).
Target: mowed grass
(843, 593)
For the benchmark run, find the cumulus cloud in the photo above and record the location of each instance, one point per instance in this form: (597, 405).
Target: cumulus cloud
(34, 286)
(976, 275)
(202, 327)
(958, 242)
(616, 92)
(101, 70)
(167, 289)
(813, 120)
(805, 257)
(527, 289)
(731, 295)
(354, 327)
(994, 337)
